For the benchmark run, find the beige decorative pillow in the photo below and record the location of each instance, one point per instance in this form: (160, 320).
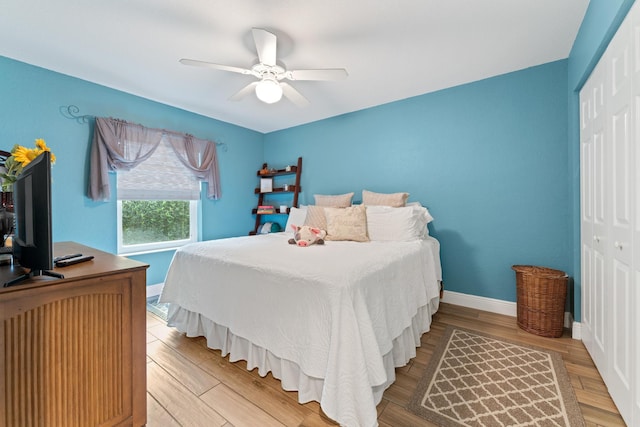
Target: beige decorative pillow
(315, 217)
(347, 223)
(395, 200)
(337, 201)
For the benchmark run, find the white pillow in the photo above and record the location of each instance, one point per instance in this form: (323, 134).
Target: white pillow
(387, 224)
(297, 216)
(428, 216)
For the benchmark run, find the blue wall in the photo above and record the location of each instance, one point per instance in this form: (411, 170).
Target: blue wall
(29, 107)
(600, 23)
(488, 158)
(496, 161)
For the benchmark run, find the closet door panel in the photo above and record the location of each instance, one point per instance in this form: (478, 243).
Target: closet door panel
(621, 375)
(601, 223)
(600, 169)
(635, 297)
(622, 162)
(620, 380)
(587, 213)
(595, 214)
(600, 337)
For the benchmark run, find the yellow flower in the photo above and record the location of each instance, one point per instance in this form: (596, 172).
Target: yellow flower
(24, 155)
(21, 157)
(43, 147)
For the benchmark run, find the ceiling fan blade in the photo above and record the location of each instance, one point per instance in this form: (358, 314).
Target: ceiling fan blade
(215, 66)
(251, 87)
(265, 45)
(325, 74)
(293, 95)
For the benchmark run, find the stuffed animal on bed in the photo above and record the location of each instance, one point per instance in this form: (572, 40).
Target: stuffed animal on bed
(307, 236)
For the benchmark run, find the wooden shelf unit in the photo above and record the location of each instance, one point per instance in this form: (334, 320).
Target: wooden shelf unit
(294, 189)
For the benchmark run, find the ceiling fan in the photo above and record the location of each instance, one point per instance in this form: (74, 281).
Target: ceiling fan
(270, 85)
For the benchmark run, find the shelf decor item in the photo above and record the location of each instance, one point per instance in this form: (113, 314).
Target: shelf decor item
(266, 185)
(265, 210)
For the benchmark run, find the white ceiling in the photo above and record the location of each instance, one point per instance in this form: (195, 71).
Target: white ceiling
(391, 49)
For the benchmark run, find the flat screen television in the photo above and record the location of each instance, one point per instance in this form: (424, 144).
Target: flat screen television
(32, 241)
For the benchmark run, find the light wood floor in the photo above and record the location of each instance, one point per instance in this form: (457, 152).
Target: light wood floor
(190, 385)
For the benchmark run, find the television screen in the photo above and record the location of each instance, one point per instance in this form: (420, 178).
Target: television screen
(32, 242)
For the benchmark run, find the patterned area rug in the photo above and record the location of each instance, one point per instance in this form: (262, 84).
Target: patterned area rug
(477, 380)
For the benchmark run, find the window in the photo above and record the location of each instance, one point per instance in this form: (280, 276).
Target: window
(158, 204)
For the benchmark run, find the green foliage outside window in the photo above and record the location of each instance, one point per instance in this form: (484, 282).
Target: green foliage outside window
(150, 221)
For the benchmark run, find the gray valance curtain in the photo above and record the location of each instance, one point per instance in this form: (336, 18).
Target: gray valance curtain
(120, 145)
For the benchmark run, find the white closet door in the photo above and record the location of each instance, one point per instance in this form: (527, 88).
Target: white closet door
(610, 216)
(619, 115)
(595, 218)
(635, 101)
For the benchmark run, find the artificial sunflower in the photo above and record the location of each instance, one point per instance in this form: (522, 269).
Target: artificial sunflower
(20, 157)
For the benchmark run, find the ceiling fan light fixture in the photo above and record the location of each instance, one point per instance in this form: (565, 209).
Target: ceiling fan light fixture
(269, 87)
(269, 91)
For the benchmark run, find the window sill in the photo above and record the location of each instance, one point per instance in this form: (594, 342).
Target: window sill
(149, 251)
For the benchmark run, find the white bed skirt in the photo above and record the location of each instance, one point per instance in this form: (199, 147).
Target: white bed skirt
(288, 372)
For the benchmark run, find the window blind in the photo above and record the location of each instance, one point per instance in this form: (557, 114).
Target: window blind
(161, 177)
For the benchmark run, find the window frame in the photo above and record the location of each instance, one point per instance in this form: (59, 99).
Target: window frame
(194, 219)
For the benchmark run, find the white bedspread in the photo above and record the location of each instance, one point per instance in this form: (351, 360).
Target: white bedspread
(335, 311)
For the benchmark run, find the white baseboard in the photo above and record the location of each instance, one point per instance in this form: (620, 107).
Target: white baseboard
(154, 290)
(500, 307)
(568, 320)
(576, 331)
(481, 303)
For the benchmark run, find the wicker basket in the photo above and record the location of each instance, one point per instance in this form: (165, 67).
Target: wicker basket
(541, 294)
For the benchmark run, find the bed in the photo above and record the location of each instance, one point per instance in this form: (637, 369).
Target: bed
(331, 321)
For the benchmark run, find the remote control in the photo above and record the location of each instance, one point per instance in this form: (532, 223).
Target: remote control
(63, 257)
(71, 261)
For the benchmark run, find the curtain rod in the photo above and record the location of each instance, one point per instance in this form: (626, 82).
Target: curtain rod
(71, 112)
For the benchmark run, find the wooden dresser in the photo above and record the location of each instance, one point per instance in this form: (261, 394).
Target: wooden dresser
(73, 350)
